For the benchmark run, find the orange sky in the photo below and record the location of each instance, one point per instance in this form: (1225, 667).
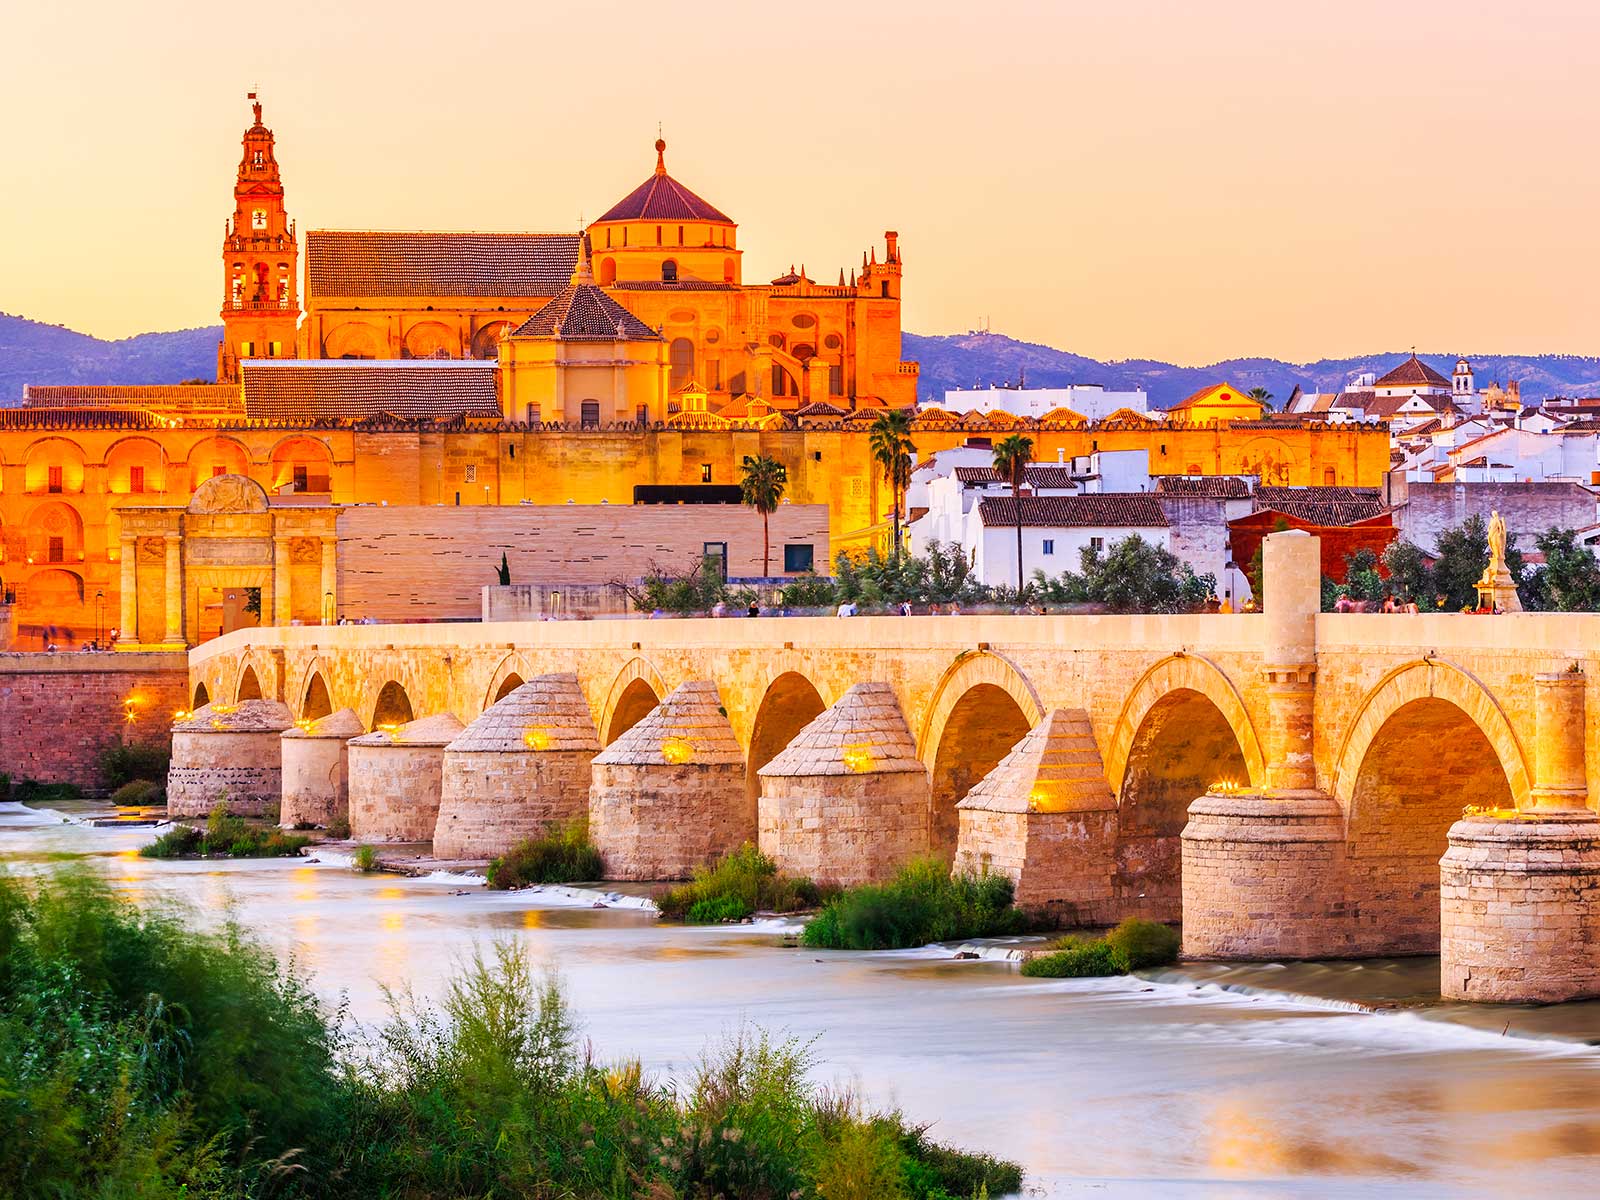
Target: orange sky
(1170, 180)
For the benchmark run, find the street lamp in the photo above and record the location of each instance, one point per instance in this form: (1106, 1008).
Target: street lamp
(99, 617)
(327, 608)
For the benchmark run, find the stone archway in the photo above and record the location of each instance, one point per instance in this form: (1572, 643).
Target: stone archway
(317, 702)
(392, 706)
(637, 689)
(983, 706)
(201, 696)
(790, 703)
(249, 685)
(1183, 673)
(510, 674)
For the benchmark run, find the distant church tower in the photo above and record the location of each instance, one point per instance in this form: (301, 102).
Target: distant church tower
(260, 261)
(1462, 381)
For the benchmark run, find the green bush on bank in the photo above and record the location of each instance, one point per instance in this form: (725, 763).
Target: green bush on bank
(37, 795)
(923, 903)
(138, 793)
(120, 764)
(741, 884)
(225, 835)
(144, 1058)
(1130, 946)
(563, 853)
(364, 860)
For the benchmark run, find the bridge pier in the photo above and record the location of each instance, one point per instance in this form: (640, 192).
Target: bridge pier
(1519, 894)
(228, 753)
(1264, 867)
(395, 777)
(316, 769)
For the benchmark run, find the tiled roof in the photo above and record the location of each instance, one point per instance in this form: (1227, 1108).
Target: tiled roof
(190, 395)
(663, 198)
(1227, 487)
(820, 408)
(1266, 496)
(864, 733)
(1413, 373)
(1056, 768)
(584, 313)
(546, 714)
(680, 285)
(341, 263)
(1354, 400)
(356, 390)
(1133, 510)
(1225, 393)
(438, 730)
(1039, 475)
(689, 727)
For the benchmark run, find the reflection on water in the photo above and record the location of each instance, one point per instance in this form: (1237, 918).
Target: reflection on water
(1126, 1087)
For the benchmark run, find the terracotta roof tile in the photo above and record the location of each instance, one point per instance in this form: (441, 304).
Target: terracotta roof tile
(1039, 475)
(663, 198)
(348, 263)
(1226, 487)
(358, 390)
(1133, 510)
(581, 312)
(1413, 373)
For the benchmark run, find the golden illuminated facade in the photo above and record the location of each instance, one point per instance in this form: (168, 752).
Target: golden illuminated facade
(629, 363)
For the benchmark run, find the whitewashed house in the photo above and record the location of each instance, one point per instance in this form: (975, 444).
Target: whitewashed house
(1055, 530)
(1088, 400)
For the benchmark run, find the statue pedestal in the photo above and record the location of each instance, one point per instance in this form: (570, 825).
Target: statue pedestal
(1519, 908)
(1497, 591)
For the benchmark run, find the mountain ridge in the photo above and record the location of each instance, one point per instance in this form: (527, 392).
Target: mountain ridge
(35, 352)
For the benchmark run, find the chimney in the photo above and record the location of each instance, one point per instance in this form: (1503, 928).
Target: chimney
(893, 241)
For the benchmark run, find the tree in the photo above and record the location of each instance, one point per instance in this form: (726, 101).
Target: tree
(1462, 556)
(892, 448)
(1135, 576)
(1362, 580)
(1262, 397)
(762, 488)
(1410, 578)
(1571, 577)
(504, 570)
(1011, 458)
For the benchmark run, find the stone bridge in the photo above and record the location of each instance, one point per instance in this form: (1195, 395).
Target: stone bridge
(1285, 783)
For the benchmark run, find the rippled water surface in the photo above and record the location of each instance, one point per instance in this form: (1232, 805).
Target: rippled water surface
(1207, 1081)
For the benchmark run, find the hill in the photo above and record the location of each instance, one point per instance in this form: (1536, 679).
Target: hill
(31, 352)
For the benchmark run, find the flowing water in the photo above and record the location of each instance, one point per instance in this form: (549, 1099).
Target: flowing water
(1259, 1081)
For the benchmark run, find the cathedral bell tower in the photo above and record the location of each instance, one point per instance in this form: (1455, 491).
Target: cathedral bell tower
(260, 261)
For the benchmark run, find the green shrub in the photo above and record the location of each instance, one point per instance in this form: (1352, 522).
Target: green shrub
(120, 764)
(339, 829)
(225, 835)
(738, 885)
(365, 859)
(144, 1056)
(1077, 962)
(35, 794)
(138, 793)
(924, 903)
(1136, 944)
(562, 854)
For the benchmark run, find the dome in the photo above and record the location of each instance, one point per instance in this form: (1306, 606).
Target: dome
(663, 198)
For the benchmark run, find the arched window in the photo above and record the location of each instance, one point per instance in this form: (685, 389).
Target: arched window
(681, 356)
(669, 272)
(608, 272)
(727, 270)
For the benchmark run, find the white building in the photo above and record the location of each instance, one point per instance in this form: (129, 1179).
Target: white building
(1088, 400)
(1055, 531)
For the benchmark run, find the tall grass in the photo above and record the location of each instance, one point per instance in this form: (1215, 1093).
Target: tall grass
(923, 903)
(225, 836)
(563, 853)
(741, 884)
(143, 1058)
(1131, 945)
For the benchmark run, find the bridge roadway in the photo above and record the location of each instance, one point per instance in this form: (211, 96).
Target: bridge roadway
(1353, 741)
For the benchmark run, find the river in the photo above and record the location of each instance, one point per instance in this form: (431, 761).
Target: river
(1207, 1081)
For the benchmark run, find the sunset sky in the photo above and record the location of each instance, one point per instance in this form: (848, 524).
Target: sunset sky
(1169, 180)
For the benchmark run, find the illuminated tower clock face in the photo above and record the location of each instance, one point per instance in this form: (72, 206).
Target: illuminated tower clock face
(258, 219)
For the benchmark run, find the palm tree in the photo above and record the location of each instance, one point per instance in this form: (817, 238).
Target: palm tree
(1261, 396)
(1011, 458)
(762, 488)
(892, 449)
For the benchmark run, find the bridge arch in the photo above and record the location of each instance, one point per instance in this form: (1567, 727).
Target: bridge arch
(983, 705)
(1182, 673)
(316, 701)
(789, 703)
(201, 696)
(249, 686)
(1428, 741)
(637, 688)
(391, 705)
(511, 673)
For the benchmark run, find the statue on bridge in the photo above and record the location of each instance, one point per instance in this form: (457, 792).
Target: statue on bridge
(1497, 590)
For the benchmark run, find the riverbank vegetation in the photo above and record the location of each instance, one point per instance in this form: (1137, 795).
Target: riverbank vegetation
(563, 853)
(740, 885)
(1132, 945)
(143, 1057)
(923, 903)
(227, 836)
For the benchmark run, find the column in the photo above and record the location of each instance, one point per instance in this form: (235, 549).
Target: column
(1291, 572)
(128, 592)
(174, 632)
(1560, 774)
(328, 612)
(280, 580)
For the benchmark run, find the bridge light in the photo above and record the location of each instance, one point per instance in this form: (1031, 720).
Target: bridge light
(858, 758)
(536, 739)
(676, 750)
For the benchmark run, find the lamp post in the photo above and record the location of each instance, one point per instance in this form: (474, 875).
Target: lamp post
(327, 608)
(99, 617)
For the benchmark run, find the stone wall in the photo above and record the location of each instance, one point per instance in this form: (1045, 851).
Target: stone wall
(412, 564)
(844, 829)
(661, 821)
(1528, 509)
(59, 712)
(491, 800)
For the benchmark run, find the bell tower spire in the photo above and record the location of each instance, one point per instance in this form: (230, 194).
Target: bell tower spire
(260, 260)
